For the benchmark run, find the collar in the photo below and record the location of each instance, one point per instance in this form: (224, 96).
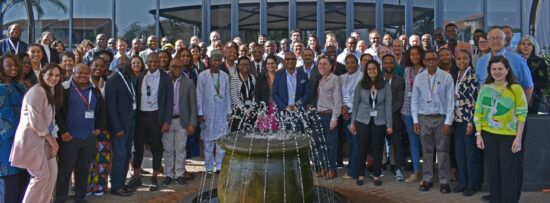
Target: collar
(288, 74)
(90, 84)
(155, 74)
(502, 52)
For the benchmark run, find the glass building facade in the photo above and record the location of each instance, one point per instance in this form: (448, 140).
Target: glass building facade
(72, 21)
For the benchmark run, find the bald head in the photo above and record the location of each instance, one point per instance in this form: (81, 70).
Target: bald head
(80, 67)
(14, 31)
(497, 40)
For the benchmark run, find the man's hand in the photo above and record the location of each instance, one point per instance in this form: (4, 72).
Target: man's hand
(97, 132)
(200, 119)
(417, 128)
(389, 131)
(345, 114)
(120, 134)
(66, 137)
(446, 129)
(190, 130)
(470, 130)
(308, 107)
(352, 129)
(165, 128)
(291, 108)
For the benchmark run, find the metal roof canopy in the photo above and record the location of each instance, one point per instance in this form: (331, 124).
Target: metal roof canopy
(249, 15)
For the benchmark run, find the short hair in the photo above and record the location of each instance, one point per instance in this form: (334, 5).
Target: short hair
(388, 55)
(68, 54)
(295, 30)
(262, 35)
(478, 30)
(122, 39)
(431, 51)
(506, 26)
(102, 52)
(449, 25)
(242, 58)
(298, 41)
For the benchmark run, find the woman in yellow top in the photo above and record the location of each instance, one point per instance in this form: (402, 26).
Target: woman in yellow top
(500, 112)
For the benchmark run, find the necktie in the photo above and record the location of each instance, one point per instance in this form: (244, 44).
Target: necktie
(258, 69)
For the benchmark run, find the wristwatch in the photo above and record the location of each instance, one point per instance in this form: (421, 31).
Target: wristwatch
(478, 134)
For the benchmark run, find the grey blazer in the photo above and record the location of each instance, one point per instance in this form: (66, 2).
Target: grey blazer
(187, 102)
(362, 106)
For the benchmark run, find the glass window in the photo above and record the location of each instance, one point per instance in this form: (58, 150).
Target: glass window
(467, 18)
(423, 16)
(364, 18)
(133, 21)
(277, 20)
(394, 17)
(92, 18)
(505, 12)
(249, 21)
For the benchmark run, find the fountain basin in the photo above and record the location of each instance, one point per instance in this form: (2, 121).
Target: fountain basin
(265, 167)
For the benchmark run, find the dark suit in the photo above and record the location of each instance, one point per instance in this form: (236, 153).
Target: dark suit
(280, 90)
(54, 56)
(252, 70)
(314, 78)
(398, 95)
(263, 90)
(119, 102)
(6, 47)
(149, 123)
(340, 69)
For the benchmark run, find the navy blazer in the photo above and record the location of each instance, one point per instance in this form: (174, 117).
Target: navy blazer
(5, 47)
(119, 104)
(280, 91)
(165, 98)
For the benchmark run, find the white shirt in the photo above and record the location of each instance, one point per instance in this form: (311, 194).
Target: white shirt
(349, 83)
(439, 101)
(342, 57)
(150, 102)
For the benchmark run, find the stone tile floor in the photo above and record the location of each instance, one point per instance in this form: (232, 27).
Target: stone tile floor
(390, 191)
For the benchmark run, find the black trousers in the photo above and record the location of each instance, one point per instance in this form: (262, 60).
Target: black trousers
(395, 139)
(75, 155)
(148, 131)
(503, 166)
(370, 136)
(13, 187)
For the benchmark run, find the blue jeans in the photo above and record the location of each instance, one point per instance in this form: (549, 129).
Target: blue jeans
(414, 142)
(122, 151)
(467, 155)
(331, 141)
(352, 139)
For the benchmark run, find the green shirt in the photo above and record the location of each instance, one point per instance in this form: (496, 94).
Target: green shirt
(511, 108)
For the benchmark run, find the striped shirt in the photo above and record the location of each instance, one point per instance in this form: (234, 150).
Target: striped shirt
(409, 76)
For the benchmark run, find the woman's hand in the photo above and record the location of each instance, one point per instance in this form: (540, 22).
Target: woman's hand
(389, 131)
(352, 129)
(479, 142)
(516, 145)
(333, 124)
(54, 147)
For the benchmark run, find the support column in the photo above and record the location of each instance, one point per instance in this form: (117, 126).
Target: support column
(408, 17)
(30, 20)
(321, 22)
(485, 16)
(291, 15)
(379, 7)
(349, 17)
(438, 13)
(205, 20)
(113, 20)
(234, 18)
(263, 17)
(157, 20)
(71, 4)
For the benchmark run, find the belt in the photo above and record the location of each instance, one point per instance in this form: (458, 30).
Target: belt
(175, 116)
(325, 112)
(149, 112)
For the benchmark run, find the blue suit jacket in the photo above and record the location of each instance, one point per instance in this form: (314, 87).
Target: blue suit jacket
(165, 98)
(119, 104)
(5, 47)
(280, 91)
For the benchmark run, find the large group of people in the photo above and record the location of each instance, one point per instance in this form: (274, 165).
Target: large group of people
(79, 119)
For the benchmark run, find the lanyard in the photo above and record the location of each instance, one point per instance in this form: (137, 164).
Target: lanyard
(334, 67)
(130, 88)
(432, 86)
(216, 86)
(15, 48)
(493, 102)
(246, 86)
(82, 96)
(186, 73)
(412, 75)
(450, 51)
(373, 96)
(461, 79)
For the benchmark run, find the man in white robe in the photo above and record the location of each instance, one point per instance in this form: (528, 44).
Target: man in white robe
(214, 108)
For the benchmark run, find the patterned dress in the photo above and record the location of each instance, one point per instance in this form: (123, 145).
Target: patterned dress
(11, 97)
(101, 164)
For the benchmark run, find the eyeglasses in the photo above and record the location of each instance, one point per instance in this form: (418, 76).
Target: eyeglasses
(495, 38)
(484, 41)
(290, 59)
(136, 63)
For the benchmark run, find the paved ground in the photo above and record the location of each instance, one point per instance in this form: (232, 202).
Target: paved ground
(390, 191)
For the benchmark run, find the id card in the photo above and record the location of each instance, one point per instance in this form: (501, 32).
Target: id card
(493, 123)
(217, 98)
(248, 102)
(89, 114)
(373, 113)
(429, 100)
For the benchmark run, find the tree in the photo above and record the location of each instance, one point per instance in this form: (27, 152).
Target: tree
(36, 4)
(133, 31)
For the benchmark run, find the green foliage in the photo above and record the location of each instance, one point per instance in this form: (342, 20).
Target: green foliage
(546, 56)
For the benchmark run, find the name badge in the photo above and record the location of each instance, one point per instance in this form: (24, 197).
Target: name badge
(409, 94)
(373, 113)
(217, 98)
(429, 100)
(493, 123)
(248, 102)
(89, 114)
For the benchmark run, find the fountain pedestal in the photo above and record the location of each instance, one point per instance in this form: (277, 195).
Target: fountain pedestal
(265, 168)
